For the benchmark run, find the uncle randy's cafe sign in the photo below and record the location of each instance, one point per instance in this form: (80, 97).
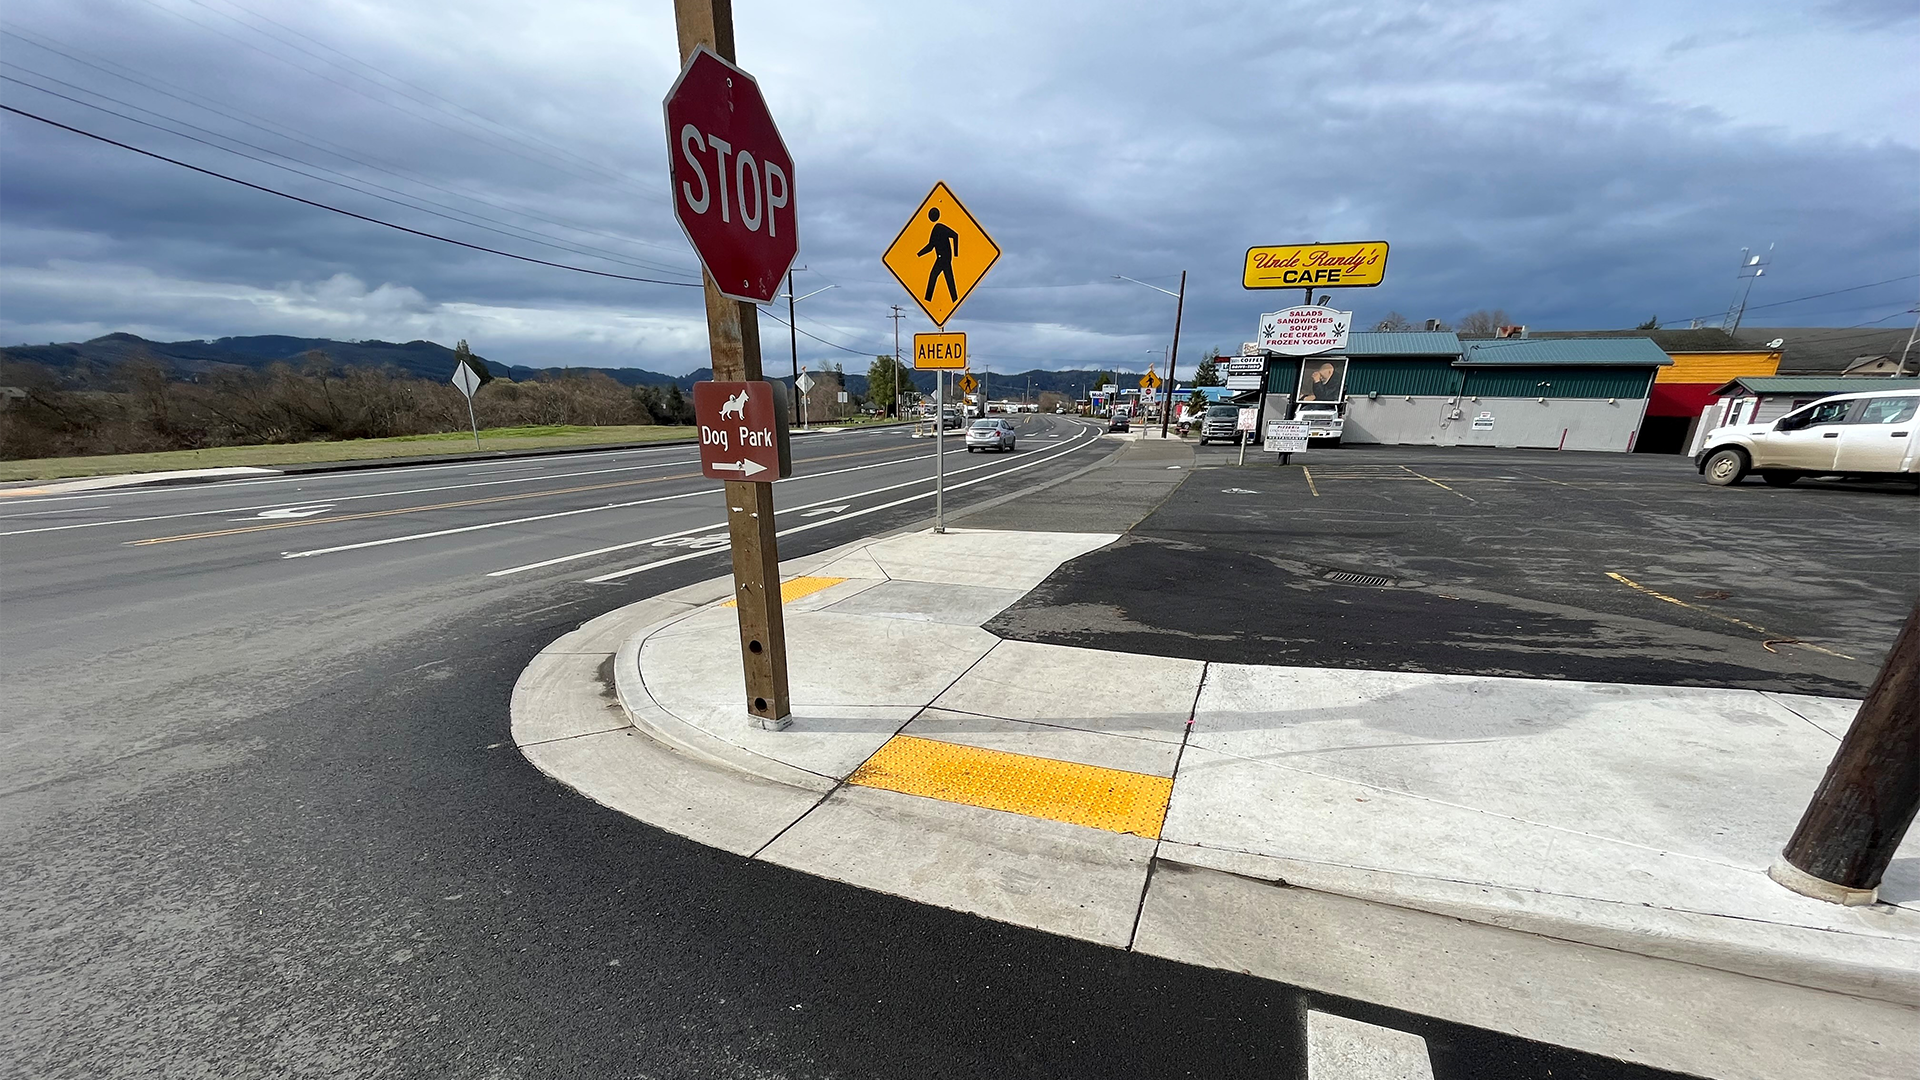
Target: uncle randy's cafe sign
(1294, 266)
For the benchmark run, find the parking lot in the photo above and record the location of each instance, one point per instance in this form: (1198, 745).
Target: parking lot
(1611, 567)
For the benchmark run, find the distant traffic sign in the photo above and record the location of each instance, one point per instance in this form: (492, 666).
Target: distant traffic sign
(465, 378)
(804, 382)
(741, 433)
(968, 384)
(731, 178)
(1294, 266)
(941, 254)
(944, 351)
(1150, 381)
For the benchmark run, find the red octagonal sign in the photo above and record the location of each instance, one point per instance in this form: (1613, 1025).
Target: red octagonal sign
(732, 177)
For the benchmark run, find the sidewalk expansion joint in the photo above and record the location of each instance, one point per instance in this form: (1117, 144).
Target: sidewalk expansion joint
(1153, 860)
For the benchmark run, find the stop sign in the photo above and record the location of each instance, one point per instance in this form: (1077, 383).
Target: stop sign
(732, 177)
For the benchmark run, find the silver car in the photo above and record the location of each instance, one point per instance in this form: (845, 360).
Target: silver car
(989, 434)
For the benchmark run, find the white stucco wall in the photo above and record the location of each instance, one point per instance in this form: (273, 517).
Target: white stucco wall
(1556, 423)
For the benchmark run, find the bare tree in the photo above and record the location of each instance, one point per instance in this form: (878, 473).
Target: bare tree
(1393, 323)
(1483, 321)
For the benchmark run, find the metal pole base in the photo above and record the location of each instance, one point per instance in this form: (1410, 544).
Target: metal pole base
(1786, 874)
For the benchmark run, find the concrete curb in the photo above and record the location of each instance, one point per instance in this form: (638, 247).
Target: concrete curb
(582, 715)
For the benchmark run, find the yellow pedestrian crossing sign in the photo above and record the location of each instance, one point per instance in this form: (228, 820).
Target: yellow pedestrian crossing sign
(1150, 381)
(968, 384)
(941, 254)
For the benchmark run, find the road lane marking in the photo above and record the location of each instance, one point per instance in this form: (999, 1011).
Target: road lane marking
(406, 510)
(616, 575)
(344, 498)
(498, 524)
(1768, 638)
(1130, 803)
(432, 534)
(1440, 485)
(291, 512)
(462, 503)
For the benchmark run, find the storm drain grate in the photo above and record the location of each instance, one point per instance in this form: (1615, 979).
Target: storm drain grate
(1348, 577)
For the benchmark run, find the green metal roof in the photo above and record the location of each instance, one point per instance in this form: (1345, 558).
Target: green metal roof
(1403, 343)
(1589, 352)
(1814, 384)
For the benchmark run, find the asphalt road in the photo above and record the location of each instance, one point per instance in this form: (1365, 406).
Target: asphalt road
(1606, 567)
(259, 815)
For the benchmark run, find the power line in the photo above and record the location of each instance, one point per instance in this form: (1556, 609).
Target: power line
(520, 233)
(857, 352)
(1814, 296)
(292, 134)
(340, 211)
(490, 139)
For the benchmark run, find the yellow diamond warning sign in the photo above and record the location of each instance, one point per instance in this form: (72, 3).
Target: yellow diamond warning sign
(939, 351)
(941, 254)
(1150, 381)
(968, 384)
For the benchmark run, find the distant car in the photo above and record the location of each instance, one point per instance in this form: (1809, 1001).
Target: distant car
(950, 419)
(1120, 422)
(989, 434)
(1220, 422)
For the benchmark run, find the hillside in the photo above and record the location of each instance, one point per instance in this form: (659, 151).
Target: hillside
(89, 364)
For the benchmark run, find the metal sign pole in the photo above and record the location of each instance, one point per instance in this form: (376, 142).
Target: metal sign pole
(733, 337)
(939, 451)
(475, 421)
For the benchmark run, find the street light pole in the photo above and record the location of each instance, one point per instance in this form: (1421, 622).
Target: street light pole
(1173, 355)
(793, 337)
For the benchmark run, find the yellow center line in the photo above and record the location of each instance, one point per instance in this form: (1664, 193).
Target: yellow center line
(491, 500)
(1440, 485)
(1756, 628)
(1311, 486)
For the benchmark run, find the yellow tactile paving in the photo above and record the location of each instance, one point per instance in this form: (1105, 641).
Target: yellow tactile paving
(794, 588)
(1111, 799)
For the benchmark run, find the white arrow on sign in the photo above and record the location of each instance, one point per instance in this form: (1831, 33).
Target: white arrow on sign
(295, 511)
(826, 510)
(745, 467)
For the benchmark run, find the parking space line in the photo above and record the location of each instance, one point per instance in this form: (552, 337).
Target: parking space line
(1440, 485)
(1767, 636)
(1308, 473)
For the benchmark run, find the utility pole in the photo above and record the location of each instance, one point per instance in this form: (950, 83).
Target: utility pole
(1902, 369)
(1865, 803)
(793, 334)
(896, 317)
(733, 339)
(1173, 356)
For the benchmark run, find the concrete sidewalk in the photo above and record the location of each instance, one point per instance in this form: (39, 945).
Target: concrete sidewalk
(1579, 863)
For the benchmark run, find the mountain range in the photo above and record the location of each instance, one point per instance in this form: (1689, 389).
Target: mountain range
(90, 364)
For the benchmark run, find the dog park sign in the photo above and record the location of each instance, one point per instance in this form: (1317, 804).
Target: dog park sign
(742, 428)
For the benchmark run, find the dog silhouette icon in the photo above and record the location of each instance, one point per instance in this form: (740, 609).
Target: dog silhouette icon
(735, 406)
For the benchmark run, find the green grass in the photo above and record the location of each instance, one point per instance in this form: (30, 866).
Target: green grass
(402, 446)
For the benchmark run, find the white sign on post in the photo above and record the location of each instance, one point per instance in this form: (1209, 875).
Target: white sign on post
(468, 381)
(1249, 416)
(1246, 372)
(1285, 436)
(1304, 331)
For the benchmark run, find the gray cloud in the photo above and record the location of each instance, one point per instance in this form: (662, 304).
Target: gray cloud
(1569, 165)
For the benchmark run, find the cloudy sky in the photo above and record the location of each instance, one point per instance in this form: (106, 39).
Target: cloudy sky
(1580, 165)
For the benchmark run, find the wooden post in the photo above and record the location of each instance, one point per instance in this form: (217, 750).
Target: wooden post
(733, 336)
(1865, 803)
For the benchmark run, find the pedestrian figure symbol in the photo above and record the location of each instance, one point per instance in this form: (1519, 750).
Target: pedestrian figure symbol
(940, 254)
(944, 243)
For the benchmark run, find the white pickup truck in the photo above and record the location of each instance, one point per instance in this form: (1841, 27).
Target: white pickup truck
(1329, 419)
(1868, 435)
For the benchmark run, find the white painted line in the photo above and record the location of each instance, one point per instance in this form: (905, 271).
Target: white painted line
(1343, 1049)
(350, 498)
(558, 559)
(928, 494)
(484, 525)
